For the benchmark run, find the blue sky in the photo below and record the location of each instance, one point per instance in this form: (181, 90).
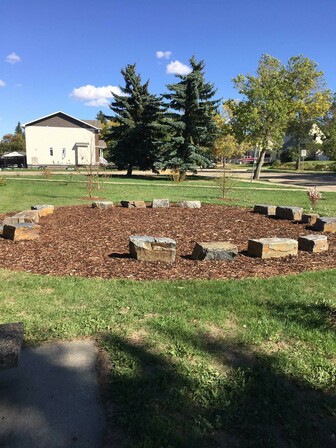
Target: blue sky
(67, 54)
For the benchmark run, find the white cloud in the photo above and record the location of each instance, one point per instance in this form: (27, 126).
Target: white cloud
(163, 54)
(177, 68)
(2, 83)
(13, 58)
(95, 96)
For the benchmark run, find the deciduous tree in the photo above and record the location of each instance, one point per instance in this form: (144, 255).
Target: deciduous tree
(328, 126)
(275, 98)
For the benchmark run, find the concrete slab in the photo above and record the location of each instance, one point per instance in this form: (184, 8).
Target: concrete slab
(52, 398)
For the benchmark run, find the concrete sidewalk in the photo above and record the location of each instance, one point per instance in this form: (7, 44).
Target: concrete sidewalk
(52, 399)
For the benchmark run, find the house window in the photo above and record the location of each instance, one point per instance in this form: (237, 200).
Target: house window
(51, 151)
(63, 153)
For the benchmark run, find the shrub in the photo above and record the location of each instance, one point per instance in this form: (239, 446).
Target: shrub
(314, 196)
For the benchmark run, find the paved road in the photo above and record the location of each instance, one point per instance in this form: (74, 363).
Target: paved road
(323, 181)
(51, 400)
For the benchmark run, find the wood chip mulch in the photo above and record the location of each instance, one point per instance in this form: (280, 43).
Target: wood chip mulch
(87, 242)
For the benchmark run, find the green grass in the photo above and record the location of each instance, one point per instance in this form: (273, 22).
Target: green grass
(250, 361)
(238, 363)
(22, 192)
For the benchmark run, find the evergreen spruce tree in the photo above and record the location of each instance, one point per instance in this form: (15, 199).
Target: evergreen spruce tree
(192, 125)
(137, 130)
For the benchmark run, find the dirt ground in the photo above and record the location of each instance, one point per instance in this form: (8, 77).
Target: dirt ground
(87, 242)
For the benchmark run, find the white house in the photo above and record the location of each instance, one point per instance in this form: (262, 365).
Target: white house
(60, 139)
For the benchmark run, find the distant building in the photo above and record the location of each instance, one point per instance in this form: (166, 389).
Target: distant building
(60, 139)
(315, 135)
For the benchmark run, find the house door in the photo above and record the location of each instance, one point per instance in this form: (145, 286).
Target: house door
(82, 155)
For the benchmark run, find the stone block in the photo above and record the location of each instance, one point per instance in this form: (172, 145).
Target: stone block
(11, 220)
(265, 209)
(21, 231)
(291, 213)
(44, 209)
(102, 204)
(11, 336)
(272, 247)
(310, 218)
(148, 248)
(28, 216)
(133, 204)
(325, 224)
(313, 243)
(216, 250)
(189, 204)
(160, 203)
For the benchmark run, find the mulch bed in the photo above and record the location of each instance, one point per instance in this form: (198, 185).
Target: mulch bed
(87, 242)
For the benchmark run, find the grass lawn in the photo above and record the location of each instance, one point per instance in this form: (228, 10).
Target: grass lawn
(247, 363)
(238, 363)
(21, 192)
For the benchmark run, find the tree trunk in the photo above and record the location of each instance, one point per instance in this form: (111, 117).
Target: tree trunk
(260, 162)
(298, 164)
(129, 170)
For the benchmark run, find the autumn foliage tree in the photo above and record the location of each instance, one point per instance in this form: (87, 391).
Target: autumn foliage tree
(277, 100)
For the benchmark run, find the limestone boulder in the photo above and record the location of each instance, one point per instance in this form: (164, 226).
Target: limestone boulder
(21, 231)
(272, 247)
(325, 224)
(290, 213)
(265, 209)
(102, 204)
(28, 216)
(216, 250)
(148, 248)
(133, 204)
(44, 209)
(189, 204)
(309, 218)
(313, 243)
(22, 217)
(160, 203)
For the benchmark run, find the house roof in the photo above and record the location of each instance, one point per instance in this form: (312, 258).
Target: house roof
(94, 124)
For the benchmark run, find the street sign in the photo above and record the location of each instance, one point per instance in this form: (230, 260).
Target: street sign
(303, 153)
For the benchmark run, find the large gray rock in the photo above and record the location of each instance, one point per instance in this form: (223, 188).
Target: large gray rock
(21, 232)
(11, 336)
(290, 213)
(272, 247)
(313, 243)
(216, 250)
(149, 248)
(265, 209)
(160, 203)
(325, 224)
(189, 204)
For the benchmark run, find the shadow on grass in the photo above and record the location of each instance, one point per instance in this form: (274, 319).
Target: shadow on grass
(172, 400)
(319, 316)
